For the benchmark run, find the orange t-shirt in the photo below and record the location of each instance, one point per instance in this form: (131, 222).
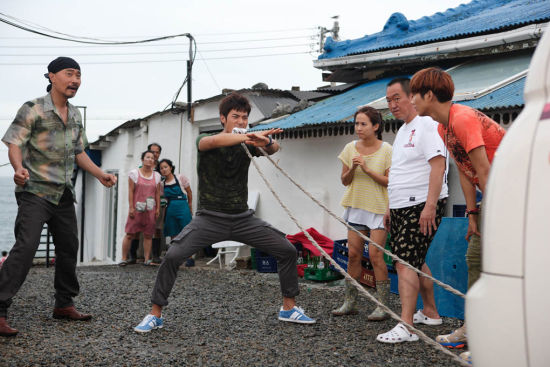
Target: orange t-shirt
(469, 129)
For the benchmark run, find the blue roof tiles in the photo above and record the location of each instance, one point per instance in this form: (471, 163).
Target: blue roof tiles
(510, 95)
(334, 109)
(466, 20)
(342, 107)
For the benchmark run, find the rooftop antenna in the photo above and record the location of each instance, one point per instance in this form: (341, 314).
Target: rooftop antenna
(334, 31)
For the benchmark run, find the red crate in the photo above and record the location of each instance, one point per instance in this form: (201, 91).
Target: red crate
(367, 278)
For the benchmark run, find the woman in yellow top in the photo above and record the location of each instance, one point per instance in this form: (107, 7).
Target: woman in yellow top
(365, 168)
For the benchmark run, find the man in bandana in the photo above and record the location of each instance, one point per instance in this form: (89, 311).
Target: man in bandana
(44, 142)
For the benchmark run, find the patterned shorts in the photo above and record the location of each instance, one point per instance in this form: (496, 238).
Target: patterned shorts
(407, 241)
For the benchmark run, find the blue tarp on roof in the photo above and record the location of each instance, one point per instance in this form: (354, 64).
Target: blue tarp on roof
(510, 95)
(466, 20)
(343, 106)
(333, 109)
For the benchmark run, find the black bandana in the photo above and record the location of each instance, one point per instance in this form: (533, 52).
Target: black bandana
(59, 64)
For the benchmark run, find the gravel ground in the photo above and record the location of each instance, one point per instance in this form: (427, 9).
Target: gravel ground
(215, 318)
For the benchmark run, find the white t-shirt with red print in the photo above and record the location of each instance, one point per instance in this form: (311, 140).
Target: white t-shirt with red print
(415, 144)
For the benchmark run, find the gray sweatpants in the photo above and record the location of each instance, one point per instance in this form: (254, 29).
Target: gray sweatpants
(209, 227)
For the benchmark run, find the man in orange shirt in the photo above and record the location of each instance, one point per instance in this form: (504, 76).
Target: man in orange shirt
(472, 139)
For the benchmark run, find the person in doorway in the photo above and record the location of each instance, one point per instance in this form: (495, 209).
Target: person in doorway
(472, 139)
(144, 206)
(44, 142)
(365, 168)
(156, 244)
(179, 198)
(417, 191)
(223, 212)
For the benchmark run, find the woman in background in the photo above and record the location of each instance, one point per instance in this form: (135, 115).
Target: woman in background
(144, 201)
(365, 168)
(177, 192)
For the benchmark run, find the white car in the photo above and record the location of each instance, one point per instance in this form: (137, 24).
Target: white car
(508, 308)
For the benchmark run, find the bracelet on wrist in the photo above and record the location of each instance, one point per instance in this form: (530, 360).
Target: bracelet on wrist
(472, 211)
(270, 141)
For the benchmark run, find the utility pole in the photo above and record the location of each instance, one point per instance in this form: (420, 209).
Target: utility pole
(189, 75)
(335, 33)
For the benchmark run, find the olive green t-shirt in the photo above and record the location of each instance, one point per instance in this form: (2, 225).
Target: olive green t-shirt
(223, 178)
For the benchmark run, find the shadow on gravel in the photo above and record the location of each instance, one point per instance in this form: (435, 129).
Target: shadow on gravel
(215, 318)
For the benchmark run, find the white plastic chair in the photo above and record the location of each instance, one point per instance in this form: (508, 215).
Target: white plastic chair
(233, 247)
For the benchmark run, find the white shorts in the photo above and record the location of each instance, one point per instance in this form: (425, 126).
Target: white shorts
(363, 217)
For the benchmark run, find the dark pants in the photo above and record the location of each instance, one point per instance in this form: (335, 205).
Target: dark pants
(33, 212)
(209, 227)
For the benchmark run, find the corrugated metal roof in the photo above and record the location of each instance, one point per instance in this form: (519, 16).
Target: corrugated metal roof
(266, 104)
(466, 20)
(309, 94)
(342, 107)
(337, 88)
(333, 109)
(508, 96)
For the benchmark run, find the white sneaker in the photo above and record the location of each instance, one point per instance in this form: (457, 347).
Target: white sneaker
(398, 334)
(420, 318)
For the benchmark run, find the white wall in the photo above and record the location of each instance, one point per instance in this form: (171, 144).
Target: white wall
(312, 162)
(176, 136)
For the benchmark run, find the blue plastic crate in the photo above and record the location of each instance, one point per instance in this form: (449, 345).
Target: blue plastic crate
(446, 259)
(340, 253)
(265, 263)
(394, 280)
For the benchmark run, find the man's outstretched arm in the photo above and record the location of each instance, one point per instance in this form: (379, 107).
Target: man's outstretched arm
(86, 164)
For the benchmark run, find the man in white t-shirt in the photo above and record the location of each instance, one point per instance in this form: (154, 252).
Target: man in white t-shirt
(417, 191)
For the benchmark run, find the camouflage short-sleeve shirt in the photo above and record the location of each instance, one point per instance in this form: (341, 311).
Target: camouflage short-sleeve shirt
(48, 146)
(223, 178)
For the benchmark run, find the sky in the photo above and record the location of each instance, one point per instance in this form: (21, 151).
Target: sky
(120, 83)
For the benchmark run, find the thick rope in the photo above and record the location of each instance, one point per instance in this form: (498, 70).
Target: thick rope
(355, 283)
(366, 238)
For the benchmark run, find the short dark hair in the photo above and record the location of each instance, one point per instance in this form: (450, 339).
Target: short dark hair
(4, 253)
(234, 101)
(374, 116)
(147, 151)
(404, 82)
(169, 163)
(156, 144)
(434, 79)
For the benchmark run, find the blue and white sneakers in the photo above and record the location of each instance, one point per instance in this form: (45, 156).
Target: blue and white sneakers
(295, 314)
(150, 322)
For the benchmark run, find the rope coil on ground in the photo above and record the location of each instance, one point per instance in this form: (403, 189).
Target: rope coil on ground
(355, 283)
(366, 238)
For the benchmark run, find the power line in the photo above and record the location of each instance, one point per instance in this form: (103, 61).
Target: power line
(208, 69)
(162, 61)
(203, 34)
(158, 52)
(87, 40)
(311, 37)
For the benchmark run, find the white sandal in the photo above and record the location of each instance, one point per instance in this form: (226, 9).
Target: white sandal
(420, 318)
(398, 334)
